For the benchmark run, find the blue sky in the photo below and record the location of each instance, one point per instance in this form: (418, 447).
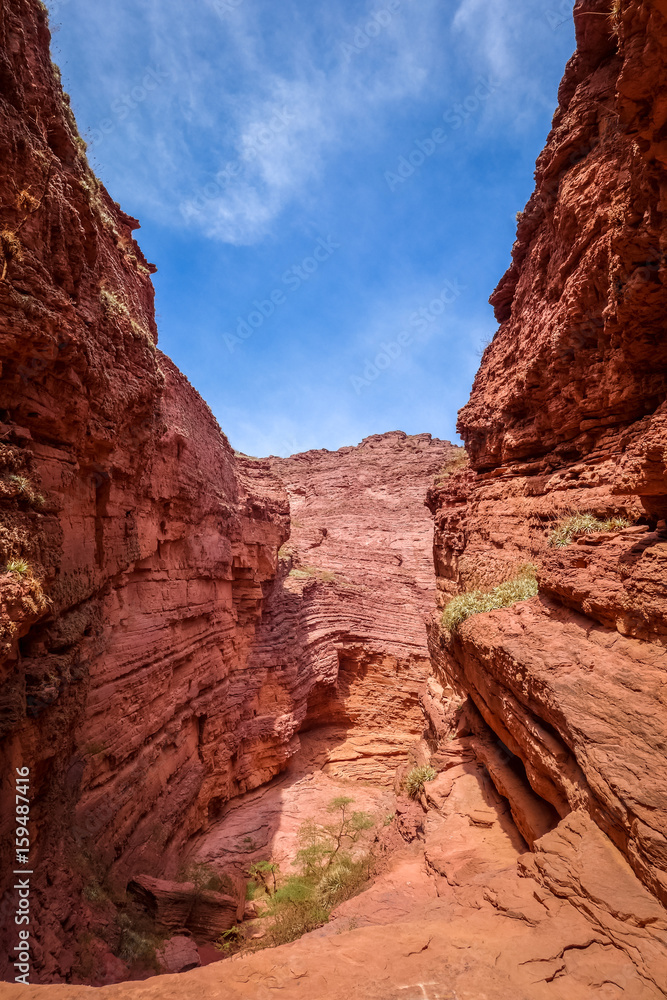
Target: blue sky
(328, 189)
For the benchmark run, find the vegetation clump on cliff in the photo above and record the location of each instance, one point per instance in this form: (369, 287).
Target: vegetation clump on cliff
(417, 778)
(461, 461)
(583, 524)
(520, 588)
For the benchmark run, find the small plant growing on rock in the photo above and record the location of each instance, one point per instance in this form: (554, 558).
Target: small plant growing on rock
(521, 587)
(205, 878)
(583, 524)
(138, 942)
(460, 461)
(417, 778)
(229, 939)
(265, 872)
(10, 249)
(313, 573)
(26, 491)
(27, 202)
(19, 567)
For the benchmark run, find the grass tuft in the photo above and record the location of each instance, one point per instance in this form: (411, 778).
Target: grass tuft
(583, 524)
(417, 778)
(520, 588)
(461, 461)
(26, 491)
(19, 567)
(312, 572)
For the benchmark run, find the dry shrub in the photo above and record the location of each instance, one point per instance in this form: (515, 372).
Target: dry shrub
(10, 249)
(521, 587)
(583, 524)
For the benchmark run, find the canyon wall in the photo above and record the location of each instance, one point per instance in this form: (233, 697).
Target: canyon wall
(133, 544)
(344, 626)
(168, 646)
(567, 414)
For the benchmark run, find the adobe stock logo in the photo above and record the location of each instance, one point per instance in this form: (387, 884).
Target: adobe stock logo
(419, 320)
(454, 117)
(293, 278)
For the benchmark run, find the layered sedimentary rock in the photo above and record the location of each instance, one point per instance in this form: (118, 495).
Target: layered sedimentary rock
(161, 658)
(341, 651)
(567, 415)
(462, 911)
(133, 544)
(344, 628)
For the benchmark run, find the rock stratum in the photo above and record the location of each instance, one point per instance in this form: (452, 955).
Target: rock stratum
(197, 645)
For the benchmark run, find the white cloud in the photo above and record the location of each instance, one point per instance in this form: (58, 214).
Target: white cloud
(283, 121)
(487, 28)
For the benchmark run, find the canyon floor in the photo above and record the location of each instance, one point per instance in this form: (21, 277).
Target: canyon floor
(462, 910)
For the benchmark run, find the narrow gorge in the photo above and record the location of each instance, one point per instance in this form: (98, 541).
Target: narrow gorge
(202, 651)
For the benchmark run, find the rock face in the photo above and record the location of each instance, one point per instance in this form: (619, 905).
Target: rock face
(138, 554)
(567, 415)
(136, 544)
(166, 652)
(342, 645)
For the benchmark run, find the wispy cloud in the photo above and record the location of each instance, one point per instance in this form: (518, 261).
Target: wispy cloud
(488, 29)
(272, 117)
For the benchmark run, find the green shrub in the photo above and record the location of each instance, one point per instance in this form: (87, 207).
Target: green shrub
(417, 778)
(583, 524)
(137, 947)
(294, 920)
(344, 879)
(251, 890)
(328, 875)
(520, 588)
(229, 939)
(266, 874)
(138, 941)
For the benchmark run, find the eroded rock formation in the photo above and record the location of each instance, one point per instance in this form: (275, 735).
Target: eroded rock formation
(136, 544)
(344, 622)
(140, 553)
(566, 415)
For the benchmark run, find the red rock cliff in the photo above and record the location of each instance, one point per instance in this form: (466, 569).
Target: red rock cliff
(133, 545)
(344, 629)
(141, 684)
(567, 414)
